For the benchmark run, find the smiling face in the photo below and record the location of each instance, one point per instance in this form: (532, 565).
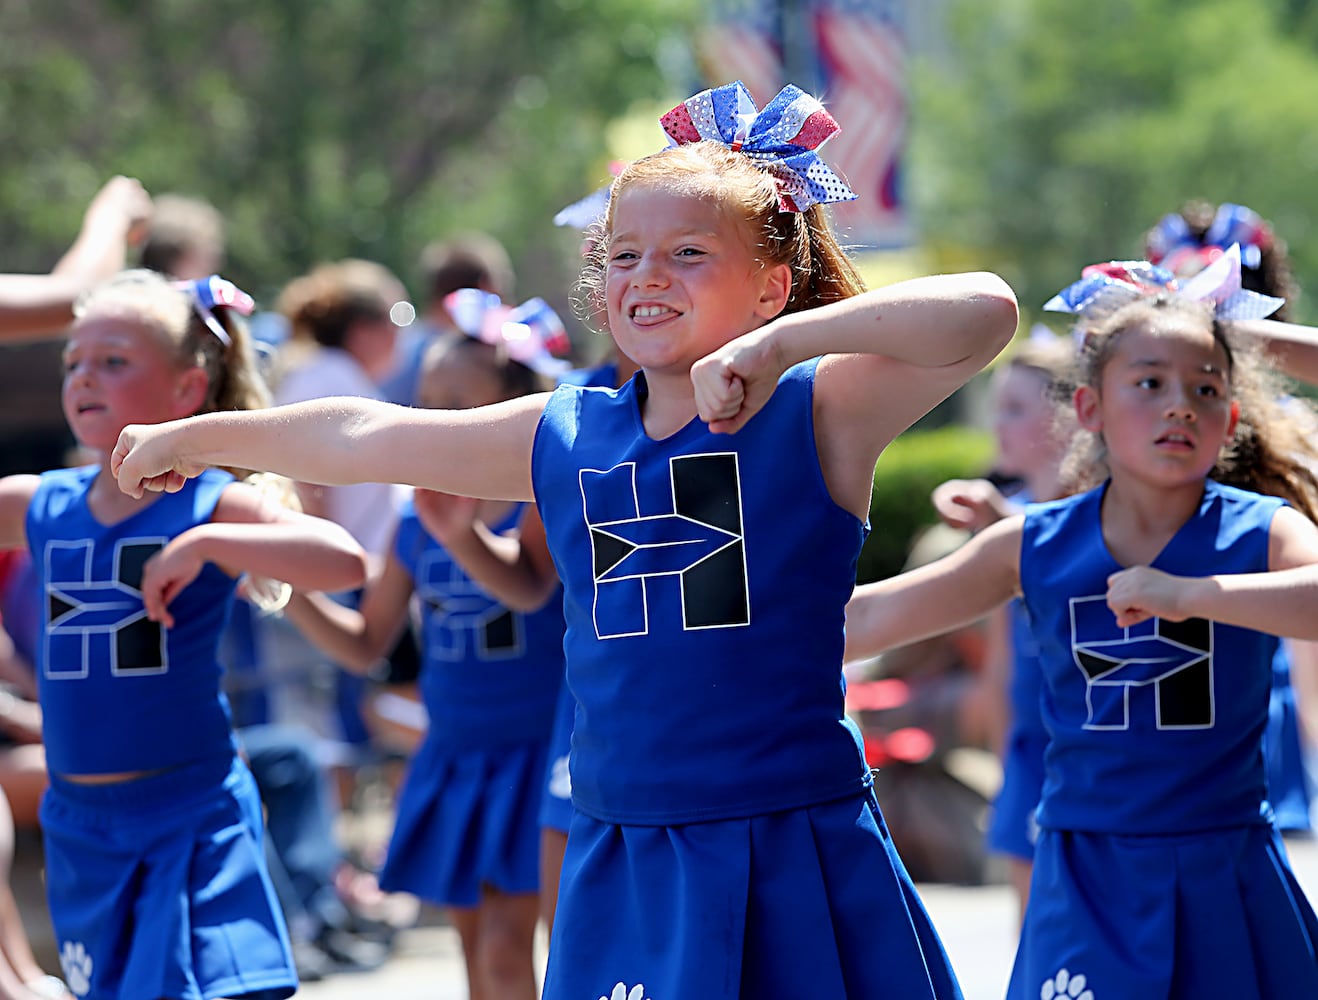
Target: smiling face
(119, 370)
(1163, 404)
(682, 277)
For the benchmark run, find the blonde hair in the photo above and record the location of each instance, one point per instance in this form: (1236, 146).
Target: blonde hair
(233, 378)
(736, 186)
(1274, 449)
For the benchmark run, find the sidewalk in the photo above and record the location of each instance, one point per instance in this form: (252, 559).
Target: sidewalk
(978, 927)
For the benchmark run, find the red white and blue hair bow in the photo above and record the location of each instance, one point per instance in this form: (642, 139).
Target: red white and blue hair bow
(531, 333)
(782, 138)
(1172, 244)
(1105, 287)
(208, 294)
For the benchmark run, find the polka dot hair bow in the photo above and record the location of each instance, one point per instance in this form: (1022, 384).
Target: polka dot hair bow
(1173, 245)
(531, 333)
(782, 138)
(1103, 288)
(208, 294)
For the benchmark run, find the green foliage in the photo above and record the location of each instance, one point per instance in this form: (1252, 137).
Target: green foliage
(904, 478)
(325, 128)
(1054, 134)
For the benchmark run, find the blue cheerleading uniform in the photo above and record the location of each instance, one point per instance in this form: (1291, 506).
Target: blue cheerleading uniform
(468, 810)
(726, 841)
(1012, 827)
(1157, 872)
(556, 807)
(1289, 790)
(157, 885)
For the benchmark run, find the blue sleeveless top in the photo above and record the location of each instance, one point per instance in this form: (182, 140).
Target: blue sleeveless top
(119, 692)
(490, 676)
(1156, 728)
(705, 582)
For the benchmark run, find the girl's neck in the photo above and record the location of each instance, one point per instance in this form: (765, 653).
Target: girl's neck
(1044, 485)
(669, 404)
(1139, 519)
(108, 504)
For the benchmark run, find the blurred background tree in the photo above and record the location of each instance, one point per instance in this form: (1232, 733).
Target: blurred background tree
(324, 128)
(1050, 134)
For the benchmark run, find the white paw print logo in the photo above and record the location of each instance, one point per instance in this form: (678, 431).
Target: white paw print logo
(637, 992)
(1062, 986)
(77, 966)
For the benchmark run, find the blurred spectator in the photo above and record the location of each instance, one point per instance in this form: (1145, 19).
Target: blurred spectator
(341, 343)
(185, 239)
(469, 260)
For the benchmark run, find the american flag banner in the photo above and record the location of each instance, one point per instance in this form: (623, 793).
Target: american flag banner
(744, 42)
(861, 47)
(852, 55)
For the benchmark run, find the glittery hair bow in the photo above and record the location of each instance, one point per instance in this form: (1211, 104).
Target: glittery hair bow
(1103, 288)
(531, 333)
(209, 293)
(1173, 245)
(782, 138)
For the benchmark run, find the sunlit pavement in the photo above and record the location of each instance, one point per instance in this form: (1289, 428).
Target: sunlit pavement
(978, 926)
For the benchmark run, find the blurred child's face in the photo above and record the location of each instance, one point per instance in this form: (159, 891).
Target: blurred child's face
(120, 371)
(1024, 421)
(1164, 403)
(372, 342)
(682, 279)
(459, 381)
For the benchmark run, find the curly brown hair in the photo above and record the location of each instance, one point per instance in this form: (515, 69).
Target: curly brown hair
(1275, 446)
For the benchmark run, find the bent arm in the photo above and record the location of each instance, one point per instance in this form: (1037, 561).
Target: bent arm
(483, 452)
(1294, 348)
(944, 595)
(37, 304)
(1279, 601)
(516, 569)
(358, 639)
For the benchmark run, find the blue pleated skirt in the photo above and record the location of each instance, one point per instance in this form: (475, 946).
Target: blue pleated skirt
(1216, 914)
(467, 818)
(800, 904)
(1012, 828)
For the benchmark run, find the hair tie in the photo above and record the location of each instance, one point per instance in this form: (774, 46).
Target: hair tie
(781, 139)
(207, 294)
(531, 333)
(1103, 288)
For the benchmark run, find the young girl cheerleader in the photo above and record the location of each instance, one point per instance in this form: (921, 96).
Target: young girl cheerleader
(1154, 597)
(467, 834)
(706, 519)
(152, 825)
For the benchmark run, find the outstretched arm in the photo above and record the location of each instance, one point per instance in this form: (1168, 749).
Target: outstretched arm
(35, 304)
(483, 452)
(1279, 601)
(941, 596)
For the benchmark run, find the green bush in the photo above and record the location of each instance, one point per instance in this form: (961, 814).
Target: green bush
(906, 474)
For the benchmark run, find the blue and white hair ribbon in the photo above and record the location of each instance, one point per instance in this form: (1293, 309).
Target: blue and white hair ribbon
(211, 293)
